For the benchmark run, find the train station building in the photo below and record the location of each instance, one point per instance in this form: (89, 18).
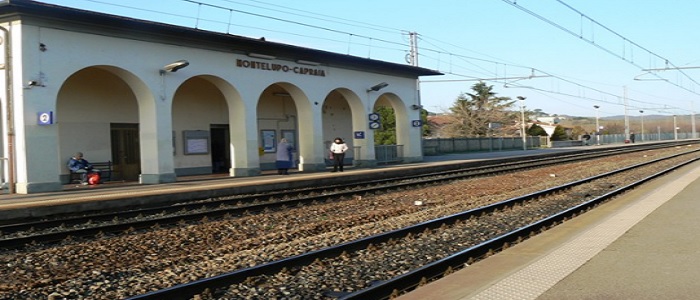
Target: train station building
(161, 101)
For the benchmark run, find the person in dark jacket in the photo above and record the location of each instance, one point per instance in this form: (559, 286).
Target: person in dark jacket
(284, 157)
(77, 164)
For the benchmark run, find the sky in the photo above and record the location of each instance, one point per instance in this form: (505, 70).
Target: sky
(564, 56)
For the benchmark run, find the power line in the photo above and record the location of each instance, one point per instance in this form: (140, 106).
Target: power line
(402, 46)
(326, 18)
(288, 21)
(514, 4)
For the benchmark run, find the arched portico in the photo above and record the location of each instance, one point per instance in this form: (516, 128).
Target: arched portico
(110, 114)
(406, 135)
(209, 129)
(345, 116)
(243, 149)
(99, 116)
(283, 111)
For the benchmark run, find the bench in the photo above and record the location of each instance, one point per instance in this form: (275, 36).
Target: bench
(105, 171)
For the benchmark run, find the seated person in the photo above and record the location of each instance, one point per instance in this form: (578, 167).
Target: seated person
(79, 165)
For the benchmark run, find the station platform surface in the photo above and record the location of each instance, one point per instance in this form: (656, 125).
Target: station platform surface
(642, 245)
(78, 196)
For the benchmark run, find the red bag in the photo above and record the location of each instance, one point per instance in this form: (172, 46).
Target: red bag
(93, 178)
(331, 156)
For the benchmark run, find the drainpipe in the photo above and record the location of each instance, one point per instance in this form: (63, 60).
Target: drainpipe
(10, 118)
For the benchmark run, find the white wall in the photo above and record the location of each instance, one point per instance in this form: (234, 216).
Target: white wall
(123, 84)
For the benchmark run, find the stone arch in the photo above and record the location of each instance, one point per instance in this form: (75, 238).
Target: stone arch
(344, 113)
(89, 102)
(401, 116)
(284, 110)
(244, 155)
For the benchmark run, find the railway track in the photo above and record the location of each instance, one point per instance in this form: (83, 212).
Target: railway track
(139, 261)
(384, 265)
(55, 230)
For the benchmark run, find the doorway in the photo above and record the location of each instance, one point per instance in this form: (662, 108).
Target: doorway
(126, 154)
(220, 148)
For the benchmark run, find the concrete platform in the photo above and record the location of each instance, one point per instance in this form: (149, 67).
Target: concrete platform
(77, 198)
(642, 245)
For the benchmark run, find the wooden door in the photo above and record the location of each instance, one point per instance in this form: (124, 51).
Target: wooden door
(220, 148)
(126, 154)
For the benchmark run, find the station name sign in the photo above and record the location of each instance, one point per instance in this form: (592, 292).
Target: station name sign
(266, 66)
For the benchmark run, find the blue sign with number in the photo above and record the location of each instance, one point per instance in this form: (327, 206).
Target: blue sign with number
(359, 134)
(45, 118)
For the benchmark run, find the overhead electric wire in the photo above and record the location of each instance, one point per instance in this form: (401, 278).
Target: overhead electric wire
(515, 4)
(628, 40)
(542, 72)
(289, 21)
(332, 19)
(404, 46)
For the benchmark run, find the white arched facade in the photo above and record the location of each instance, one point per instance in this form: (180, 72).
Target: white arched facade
(100, 87)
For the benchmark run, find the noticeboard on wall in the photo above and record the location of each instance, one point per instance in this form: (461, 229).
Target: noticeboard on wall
(268, 138)
(291, 136)
(196, 142)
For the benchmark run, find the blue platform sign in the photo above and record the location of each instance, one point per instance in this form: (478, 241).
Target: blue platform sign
(417, 123)
(359, 134)
(45, 118)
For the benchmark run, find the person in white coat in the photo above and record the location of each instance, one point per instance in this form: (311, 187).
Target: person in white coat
(284, 157)
(338, 149)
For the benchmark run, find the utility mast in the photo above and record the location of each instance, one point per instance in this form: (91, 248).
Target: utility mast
(412, 58)
(627, 120)
(413, 55)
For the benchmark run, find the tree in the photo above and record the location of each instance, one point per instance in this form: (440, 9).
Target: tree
(559, 134)
(539, 113)
(536, 130)
(472, 112)
(425, 129)
(386, 135)
(578, 131)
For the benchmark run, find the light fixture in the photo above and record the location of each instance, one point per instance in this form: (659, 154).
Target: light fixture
(378, 86)
(281, 94)
(174, 66)
(262, 56)
(308, 62)
(33, 83)
(416, 106)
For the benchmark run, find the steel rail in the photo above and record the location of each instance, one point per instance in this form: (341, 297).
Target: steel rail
(53, 237)
(508, 164)
(187, 290)
(437, 269)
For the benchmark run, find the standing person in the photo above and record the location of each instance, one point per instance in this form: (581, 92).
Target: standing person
(77, 164)
(338, 149)
(284, 157)
(632, 137)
